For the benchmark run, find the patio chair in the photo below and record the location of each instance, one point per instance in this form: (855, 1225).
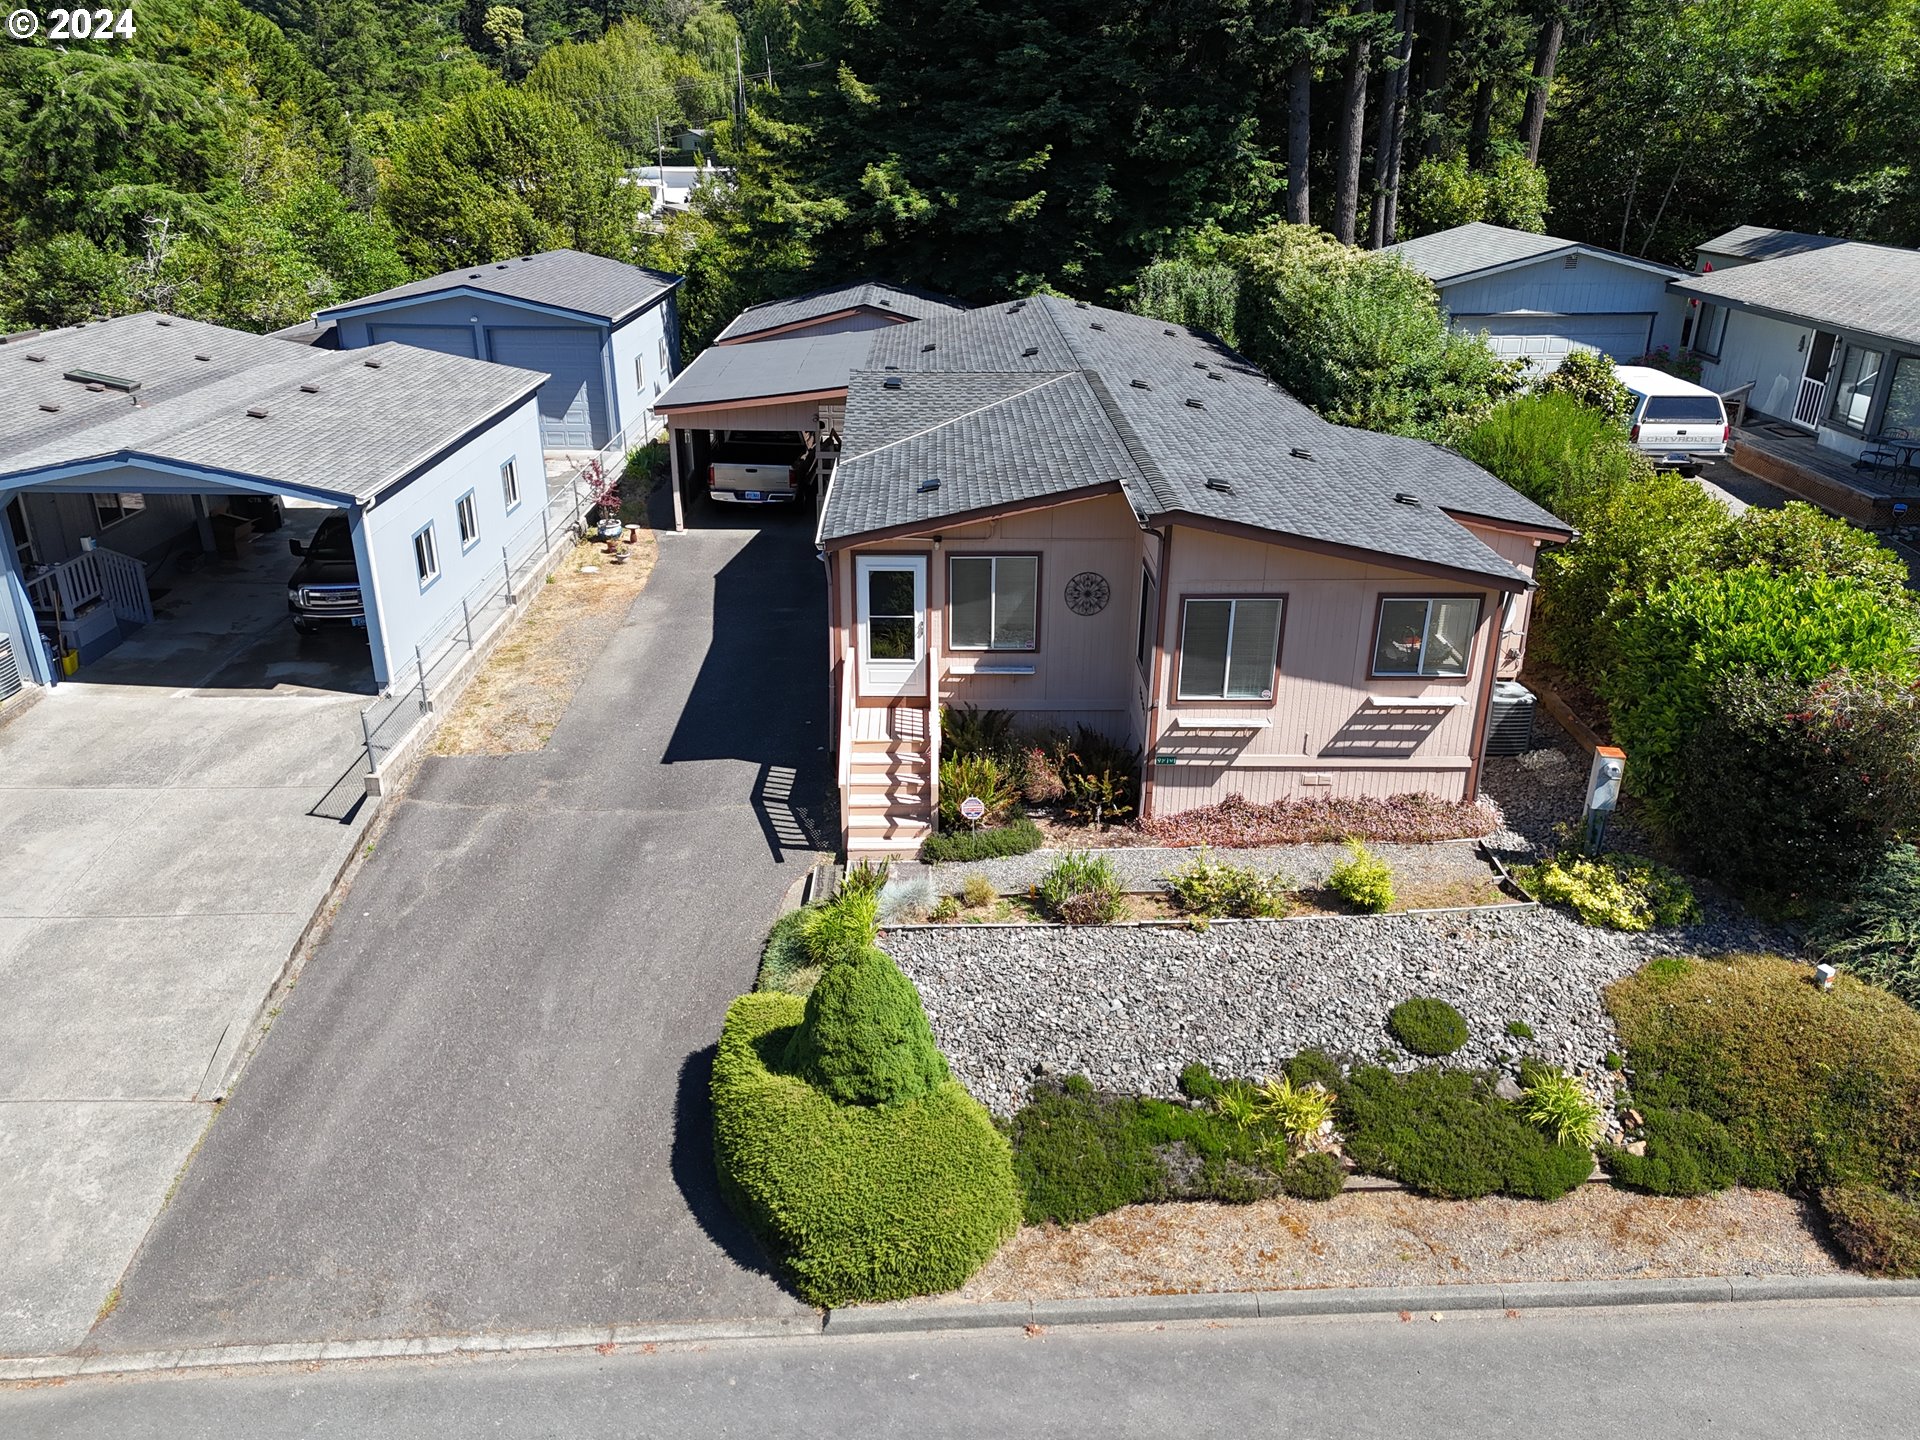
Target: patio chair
(1736, 402)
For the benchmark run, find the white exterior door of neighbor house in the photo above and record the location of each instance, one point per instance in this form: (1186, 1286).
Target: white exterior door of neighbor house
(890, 611)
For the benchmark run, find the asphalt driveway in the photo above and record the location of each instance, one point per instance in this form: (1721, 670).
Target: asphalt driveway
(169, 822)
(484, 1105)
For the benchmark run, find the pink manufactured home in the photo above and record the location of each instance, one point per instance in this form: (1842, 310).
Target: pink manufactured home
(1088, 517)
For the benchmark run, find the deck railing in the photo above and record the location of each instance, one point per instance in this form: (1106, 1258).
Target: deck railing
(59, 591)
(1812, 401)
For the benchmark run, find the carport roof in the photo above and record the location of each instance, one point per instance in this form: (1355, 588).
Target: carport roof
(1448, 256)
(877, 295)
(349, 424)
(1031, 401)
(572, 281)
(768, 370)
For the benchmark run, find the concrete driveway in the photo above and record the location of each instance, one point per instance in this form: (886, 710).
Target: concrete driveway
(484, 1107)
(169, 823)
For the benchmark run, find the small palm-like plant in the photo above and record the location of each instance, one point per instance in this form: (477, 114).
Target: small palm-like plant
(1237, 1104)
(1560, 1105)
(1297, 1111)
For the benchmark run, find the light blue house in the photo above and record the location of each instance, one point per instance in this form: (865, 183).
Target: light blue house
(1539, 298)
(603, 332)
(120, 440)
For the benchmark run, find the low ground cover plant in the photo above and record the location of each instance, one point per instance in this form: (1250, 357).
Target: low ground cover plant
(1081, 888)
(1238, 822)
(1363, 879)
(903, 1188)
(1080, 1153)
(1447, 1133)
(1205, 886)
(1427, 1027)
(1017, 838)
(1876, 933)
(1878, 1230)
(1745, 1072)
(1612, 891)
(785, 965)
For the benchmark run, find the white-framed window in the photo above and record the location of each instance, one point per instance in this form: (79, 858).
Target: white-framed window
(639, 372)
(1143, 642)
(993, 602)
(1229, 647)
(112, 509)
(426, 555)
(1422, 635)
(663, 354)
(510, 486)
(469, 516)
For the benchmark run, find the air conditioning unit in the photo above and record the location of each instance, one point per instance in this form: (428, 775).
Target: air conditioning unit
(1510, 727)
(9, 670)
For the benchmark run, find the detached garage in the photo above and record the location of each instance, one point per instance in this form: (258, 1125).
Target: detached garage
(1539, 298)
(133, 442)
(603, 332)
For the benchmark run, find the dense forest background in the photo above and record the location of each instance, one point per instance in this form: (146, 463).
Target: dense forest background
(247, 163)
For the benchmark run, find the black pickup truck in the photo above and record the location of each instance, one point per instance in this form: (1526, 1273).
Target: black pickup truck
(325, 590)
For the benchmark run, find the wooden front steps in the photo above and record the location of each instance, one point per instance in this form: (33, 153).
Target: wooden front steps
(889, 784)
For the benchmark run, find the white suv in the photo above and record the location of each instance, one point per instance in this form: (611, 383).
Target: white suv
(1674, 421)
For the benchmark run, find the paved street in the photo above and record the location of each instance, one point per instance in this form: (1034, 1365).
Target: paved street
(170, 820)
(484, 1105)
(1756, 1371)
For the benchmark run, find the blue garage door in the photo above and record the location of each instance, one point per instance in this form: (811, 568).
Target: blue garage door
(447, 339)
(573, 402)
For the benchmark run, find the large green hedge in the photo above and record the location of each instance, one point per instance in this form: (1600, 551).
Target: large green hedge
(859, 1202)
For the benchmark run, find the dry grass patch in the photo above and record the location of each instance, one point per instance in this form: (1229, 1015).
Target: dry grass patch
(520, 694)
(1368, 1237)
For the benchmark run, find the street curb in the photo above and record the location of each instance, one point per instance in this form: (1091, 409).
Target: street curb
(911, 1317)
(400, 1347)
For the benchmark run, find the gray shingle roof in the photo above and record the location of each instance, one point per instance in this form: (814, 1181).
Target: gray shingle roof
(854, 295)
(721, 374)
(1449, 255)
(1867, 289)
(1106, 396)
(1758, 242)
(570, 280)
(362, 429)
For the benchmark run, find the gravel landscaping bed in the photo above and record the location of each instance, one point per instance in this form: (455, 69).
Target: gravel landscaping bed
(1129, 1006)
(1392, 1238)
(1545, 789)
(1416, 868)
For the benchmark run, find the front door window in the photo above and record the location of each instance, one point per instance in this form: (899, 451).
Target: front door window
(891, 618)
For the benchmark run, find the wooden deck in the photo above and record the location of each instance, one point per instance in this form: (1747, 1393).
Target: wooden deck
(1792, 459)
(886, 723)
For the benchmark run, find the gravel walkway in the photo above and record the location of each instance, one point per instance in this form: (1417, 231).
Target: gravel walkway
(1129, 1006)
(1392, 1238)
(1415, 867)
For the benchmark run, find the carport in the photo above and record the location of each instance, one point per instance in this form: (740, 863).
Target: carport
(126, 448)
(795, 387)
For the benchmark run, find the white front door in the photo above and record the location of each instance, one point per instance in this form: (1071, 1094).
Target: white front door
(890, 603)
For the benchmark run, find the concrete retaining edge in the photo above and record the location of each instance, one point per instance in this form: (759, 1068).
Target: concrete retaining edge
(915, 1317)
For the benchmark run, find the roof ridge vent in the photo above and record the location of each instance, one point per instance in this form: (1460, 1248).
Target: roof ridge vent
(258, 412)
(1194, 402)
(1300, 452)
(1404, 498)
(1081, 305)
(50, 407)
(1096, 325)
(97, 380)
(37, 359)
(1168, 330)
(1223, 487)
(203, 357)
(309, 389)
(373, 364)
(162, 320)
(1029, 351)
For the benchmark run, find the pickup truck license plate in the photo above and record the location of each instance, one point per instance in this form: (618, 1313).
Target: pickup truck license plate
(751, 495)
(359, 622)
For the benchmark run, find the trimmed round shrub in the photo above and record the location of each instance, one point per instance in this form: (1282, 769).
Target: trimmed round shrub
(865, 1039)
(1427, 1027)
(1687, 1153)
(858, 1202)
(1878, 1230)
(1363, 879)
(1317, 1176)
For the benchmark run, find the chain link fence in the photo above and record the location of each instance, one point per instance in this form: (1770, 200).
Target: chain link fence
(389, 721)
